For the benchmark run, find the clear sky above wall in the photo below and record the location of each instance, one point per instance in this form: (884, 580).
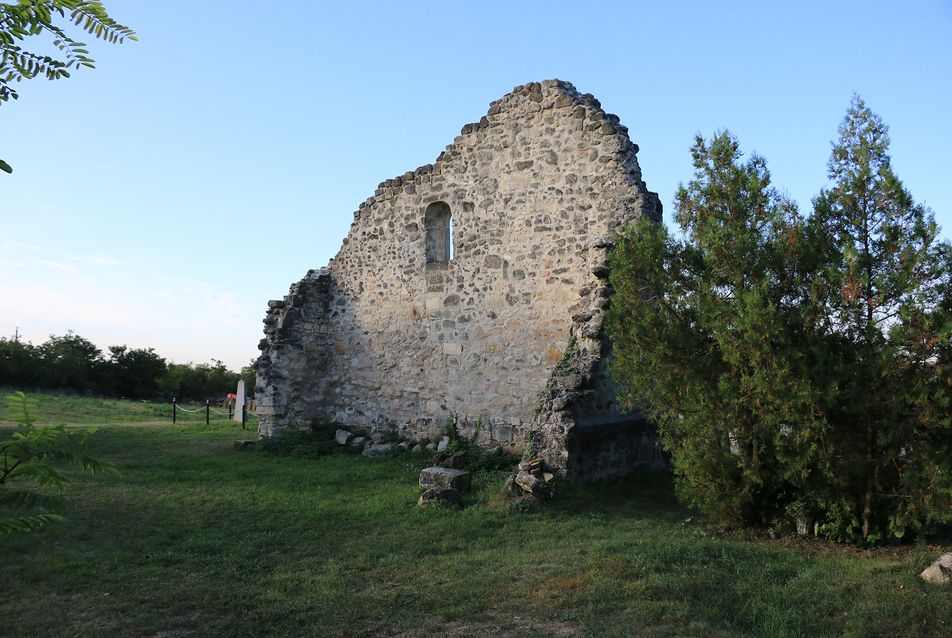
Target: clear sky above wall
(163, 198)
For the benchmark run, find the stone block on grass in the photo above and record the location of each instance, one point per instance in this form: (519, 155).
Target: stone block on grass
(939, 571)
(446, 477)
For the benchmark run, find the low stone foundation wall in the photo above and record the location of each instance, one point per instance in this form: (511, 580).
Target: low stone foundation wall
(600, 449)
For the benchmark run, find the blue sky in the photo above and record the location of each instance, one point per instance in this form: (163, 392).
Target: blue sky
(161, 199)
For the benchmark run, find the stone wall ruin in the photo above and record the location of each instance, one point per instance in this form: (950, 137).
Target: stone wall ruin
(476, 285)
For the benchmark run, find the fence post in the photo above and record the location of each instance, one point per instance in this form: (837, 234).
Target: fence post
(206, 411)
(244, 414)
(173, 409)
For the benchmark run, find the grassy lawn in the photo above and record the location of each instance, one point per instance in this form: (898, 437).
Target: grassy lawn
(199, 539)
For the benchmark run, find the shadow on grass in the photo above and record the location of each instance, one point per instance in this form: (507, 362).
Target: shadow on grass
(646, 495)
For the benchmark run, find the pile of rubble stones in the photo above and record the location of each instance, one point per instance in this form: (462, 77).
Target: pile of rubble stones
(445, 483)
(373, 444)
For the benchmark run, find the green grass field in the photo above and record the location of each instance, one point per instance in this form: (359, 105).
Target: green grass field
(199, 539)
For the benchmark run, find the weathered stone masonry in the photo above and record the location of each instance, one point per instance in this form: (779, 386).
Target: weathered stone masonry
(476, 285)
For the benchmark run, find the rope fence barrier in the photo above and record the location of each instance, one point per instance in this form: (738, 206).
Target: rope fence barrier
(245, 413)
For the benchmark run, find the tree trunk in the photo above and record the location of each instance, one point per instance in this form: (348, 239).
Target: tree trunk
(868, 497)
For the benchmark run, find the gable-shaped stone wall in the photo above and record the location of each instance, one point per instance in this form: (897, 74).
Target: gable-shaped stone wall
(397, 331)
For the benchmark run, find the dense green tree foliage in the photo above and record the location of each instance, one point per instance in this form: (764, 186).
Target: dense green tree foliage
(704, 332)
(21, 362)
(71, 362)
(135, 373)
(200, 381)
(886, 275)
(796, 366)
(250, 375)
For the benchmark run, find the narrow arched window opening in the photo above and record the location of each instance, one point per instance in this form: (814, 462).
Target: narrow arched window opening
(449, 231)
(438, 222)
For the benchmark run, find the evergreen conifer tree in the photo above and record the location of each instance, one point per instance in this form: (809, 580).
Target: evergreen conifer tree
(885, 276)
(797, 368)
(706, 331)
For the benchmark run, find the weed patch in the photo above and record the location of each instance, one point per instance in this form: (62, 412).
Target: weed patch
(301, 444)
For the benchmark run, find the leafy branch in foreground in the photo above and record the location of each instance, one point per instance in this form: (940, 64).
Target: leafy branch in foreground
(35, 17)
(26, 457)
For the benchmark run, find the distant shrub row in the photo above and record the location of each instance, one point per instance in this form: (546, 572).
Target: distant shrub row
(72, 362)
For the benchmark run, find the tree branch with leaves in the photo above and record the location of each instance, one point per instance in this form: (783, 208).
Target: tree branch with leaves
(30, 18)
(27, 457)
